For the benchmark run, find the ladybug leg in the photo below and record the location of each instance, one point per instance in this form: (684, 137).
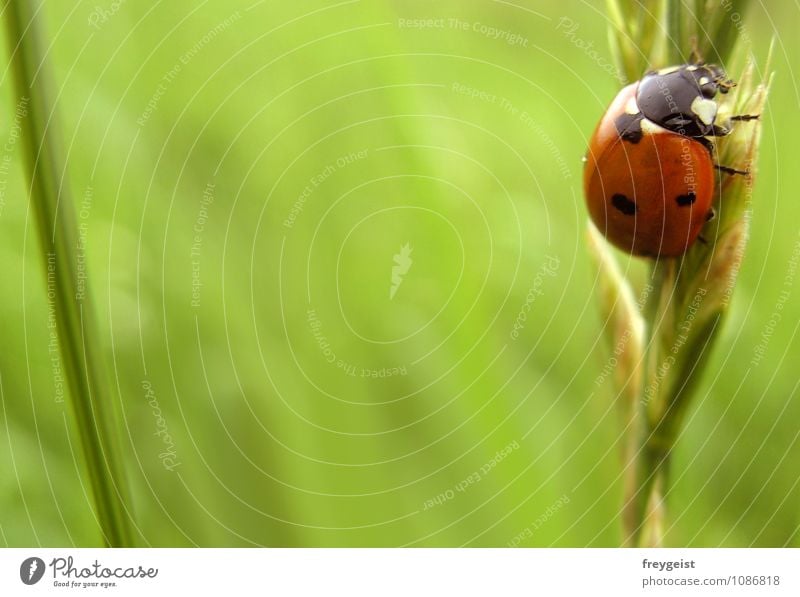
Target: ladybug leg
(729, 170)
(745, 117)
(721, 131)
(710, 215)
(707, 143)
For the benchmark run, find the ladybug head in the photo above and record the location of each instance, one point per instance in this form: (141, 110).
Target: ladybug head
(681, 98)
(709, 78)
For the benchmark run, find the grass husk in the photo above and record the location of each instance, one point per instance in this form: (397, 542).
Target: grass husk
(684, 313)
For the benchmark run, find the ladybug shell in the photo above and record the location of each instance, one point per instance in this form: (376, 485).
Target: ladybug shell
(649, 196)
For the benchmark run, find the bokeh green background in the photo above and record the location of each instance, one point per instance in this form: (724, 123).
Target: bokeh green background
(276, 445)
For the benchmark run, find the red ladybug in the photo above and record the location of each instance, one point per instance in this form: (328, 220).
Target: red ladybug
(649, 176)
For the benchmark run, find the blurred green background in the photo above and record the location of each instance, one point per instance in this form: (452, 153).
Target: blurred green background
(244, 175)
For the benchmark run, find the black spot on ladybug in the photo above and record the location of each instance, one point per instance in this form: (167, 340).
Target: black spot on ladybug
(687, 199)
(707, 144)
(623, 204)
(629, 127)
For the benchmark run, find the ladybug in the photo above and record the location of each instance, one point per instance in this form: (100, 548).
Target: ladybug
(649, 174)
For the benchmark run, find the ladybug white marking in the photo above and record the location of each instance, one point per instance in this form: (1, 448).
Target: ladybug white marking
(650, 128)
(705, 109)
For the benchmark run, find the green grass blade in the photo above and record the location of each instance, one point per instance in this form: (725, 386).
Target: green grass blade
(54, 215)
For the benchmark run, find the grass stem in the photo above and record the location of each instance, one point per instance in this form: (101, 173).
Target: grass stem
(689, 295)
(53, 209)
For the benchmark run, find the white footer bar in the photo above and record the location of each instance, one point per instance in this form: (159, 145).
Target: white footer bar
(389, 572)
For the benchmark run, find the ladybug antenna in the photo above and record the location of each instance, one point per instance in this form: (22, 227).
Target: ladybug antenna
(720, 78)
(725, 84)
